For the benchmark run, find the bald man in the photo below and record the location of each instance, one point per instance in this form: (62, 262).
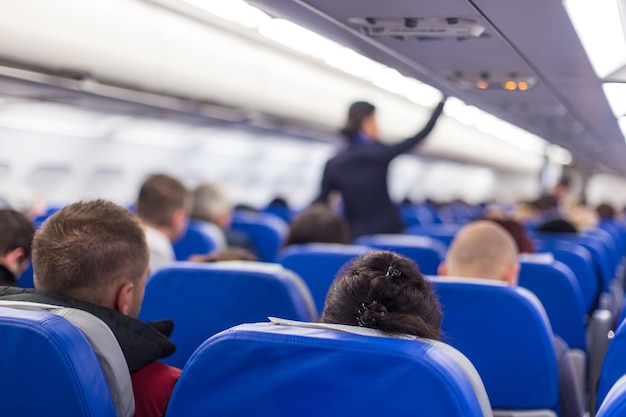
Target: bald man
(484, 249)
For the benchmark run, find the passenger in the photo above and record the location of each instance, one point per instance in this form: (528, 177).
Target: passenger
(16, 236)
(228, 254)
(384, 291)
(319, 224)
(518, 232)
(30, 204)
(163, 206)
(94, 256)
(557, 226)
(359, 173)
(561, 191)
(485, 250)
(280, 207)
(606, 211)
(212, 206)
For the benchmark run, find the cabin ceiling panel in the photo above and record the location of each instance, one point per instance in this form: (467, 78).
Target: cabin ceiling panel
(566, 106)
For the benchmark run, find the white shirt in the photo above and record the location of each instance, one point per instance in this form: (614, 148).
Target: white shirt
(161, 250)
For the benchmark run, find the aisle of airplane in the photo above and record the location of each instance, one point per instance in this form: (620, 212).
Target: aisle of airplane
(87, 119)
(220, 90)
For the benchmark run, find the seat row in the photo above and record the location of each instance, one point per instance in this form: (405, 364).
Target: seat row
(511, 350)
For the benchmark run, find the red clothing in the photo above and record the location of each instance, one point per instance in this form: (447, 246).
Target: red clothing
(152, 388)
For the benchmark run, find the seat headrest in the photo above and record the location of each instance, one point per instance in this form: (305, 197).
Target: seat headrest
(49, 368)
(287, 370)
(505, 332)
(221, 295)
(105, 346)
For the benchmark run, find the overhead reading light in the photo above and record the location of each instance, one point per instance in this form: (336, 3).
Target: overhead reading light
(485, 80)
(345, 59)
(237, 11)
(616, 95)
(599, 27)
(297, 37)
(419, 27)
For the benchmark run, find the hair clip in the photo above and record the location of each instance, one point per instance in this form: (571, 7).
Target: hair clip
(393, 272)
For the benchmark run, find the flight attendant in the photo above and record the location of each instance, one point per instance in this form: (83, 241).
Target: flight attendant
(359, 172)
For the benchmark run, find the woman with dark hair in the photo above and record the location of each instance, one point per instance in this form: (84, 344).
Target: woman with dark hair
(517, 231)
(359, 172)
(319, 224)
(384, 291)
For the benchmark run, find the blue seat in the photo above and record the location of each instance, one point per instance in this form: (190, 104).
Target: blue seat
(614, 365)
(610, 242)
(504, 331)
(622, 314)
(427, 252)
(26, 279)
(318, 263)
(580, 261)
(270, 370)
(283, 212)
(39, 220)
(49, 368)
(617, 232)
(557, 289)
(204, 299)
(601, 257)
(416, 214)
(266, 231)
(442, 232)
(614, 405)
(199, 239)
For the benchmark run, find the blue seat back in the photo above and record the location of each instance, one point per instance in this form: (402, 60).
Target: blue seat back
(605, 269)
(204, 299)
(26, 279)
(622, 314)
(601, 258)
(283, 212)
(197, 240)
(48, 368)
(504, 331)
(580, 261)
(284, 371)
(318, 263)
(417, 214)
(427, 252)
(617, 232)
(442, 232)
(266, 231)
(39, 220)
(614, 364)
(609, 241)
(614, 405)
(557, 289)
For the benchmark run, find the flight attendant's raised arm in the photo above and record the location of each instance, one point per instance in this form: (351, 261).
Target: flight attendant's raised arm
(409, 143)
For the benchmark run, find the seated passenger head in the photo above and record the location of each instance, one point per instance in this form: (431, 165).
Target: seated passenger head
(228, 254)
(482, 249)
(164, 204)
(93, 251)
(361, 120)
(319, 223)
(606, 211)
(16, 236)
(211, 204)
(384, 291)
(557, 226)
(518, 233)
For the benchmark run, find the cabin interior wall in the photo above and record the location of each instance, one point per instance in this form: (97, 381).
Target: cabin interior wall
(61, 169)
